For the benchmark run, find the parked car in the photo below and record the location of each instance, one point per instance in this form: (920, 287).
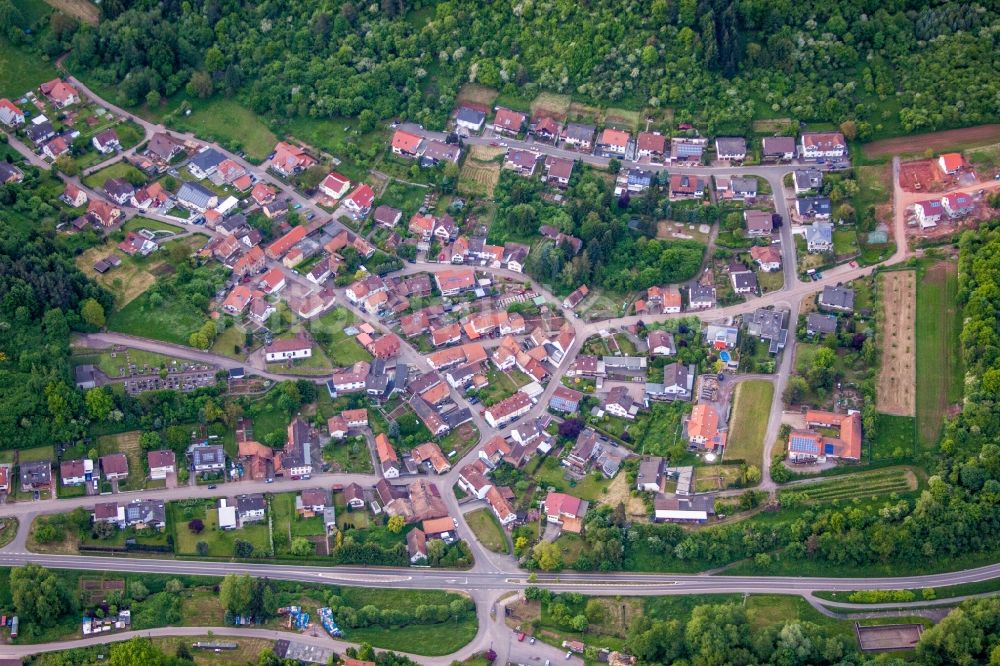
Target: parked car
(212, 486)
(520, 636)
(569, 654)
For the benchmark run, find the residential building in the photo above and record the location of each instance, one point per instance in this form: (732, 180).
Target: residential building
(683, 186)
(439, 151)
(817, 208)
(650, 476)
(416, 546)
(405, 144)
(314, 499)
(76, 472)
(820, 324)
(838, 298)
(281, 246)
(134, 244)
(289, 160)
(39, 132)
(205, 162)
(522, 162)
(624, 368)
(73, 196)
(501, 506)
(744, 281)
(767, 257)
(56, 147)
(816, 145)
(701, 297)
(951, 163)
(508, 122)
(819, 237)
(287, 350)
(295, 458)
(114, 466)
(109, 512)
(613, 142)
(661, 343)
(60, 93)
(770, 325)
(651, 146)
(354, 496)
(471, 120)
(508, 409)
(546, 129)
(576, 297)
(558, 170)
(334, 185)
(579, 136)
(387, 216)
(778, 148)
(251, 508)
(472, 479)
(743, 189)
(435, 424)
(618, 402)
(351, 380)
(118, 190)
(809, 445)
(196, 197)
(161, 463)
(103, 213)
(207, 457)
(452, 282)
(10, 114)
(565, 400)
(431, 454)
(957, 204)
(807, 180)
(359, 202)
(35, 475)
(106, 141)
(721, 337)
(263, 194)
(146, 514)
(703, 425)
(758, 222)
(163, 148)
(677, 384)
(565, 510)
(731, 148)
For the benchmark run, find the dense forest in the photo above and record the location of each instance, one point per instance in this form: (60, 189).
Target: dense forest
(43, 296)
(905, 64)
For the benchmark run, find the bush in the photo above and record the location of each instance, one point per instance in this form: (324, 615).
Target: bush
(880, 596)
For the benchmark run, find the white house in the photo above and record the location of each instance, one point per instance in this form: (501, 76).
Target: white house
(161, 463)
(287, 350)
(928, 213)
(823, 144)
(10, 115)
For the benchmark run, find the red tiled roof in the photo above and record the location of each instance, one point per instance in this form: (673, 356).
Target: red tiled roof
(406, 142)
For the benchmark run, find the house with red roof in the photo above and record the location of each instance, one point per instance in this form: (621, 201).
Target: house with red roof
(406, 144)
(103, 213)
(767, 257)
(951, 163)
(335, 185)
(957, 204)
(73, 196)
(280, 247)
(56, 147)
(250, 263)
(613, 142)
(262, 193)
(10, 114)
(60, 93)
(287, 350)
(237, 300)
(272, 281)
(808, 444)
(546, 129)
(289, 160)
(651, 146)
(508, 122)
(508, 409)
(360, 200)
(566, 511)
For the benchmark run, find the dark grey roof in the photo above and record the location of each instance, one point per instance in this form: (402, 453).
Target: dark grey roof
(809, 206)
(148, 511)
(698, 293)
(736, 145)
(745, 185)
(39, 132)
(837, 297)
(579, 132)
(677, 374)
(8, 170)
(471, 116)
(36, 472)
(207, 159)
(745, 280)
(195, 194)
(821, 323)
(247, 503)
(808, 179)
(704, 503)
(457, 417)
(770, 325)
(209, 454)
(650, 470)
(779, 145)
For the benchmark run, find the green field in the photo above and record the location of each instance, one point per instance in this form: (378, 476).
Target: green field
(751, 409)
(939, 364)
(341, 349)
(117, 170)
(230, 123)
(487, 529)
(845, 241)
(348, 455)
(876, 483)
(548, 473)
(174, 320)
(407, 198)
(111, 363)
(21, 71)
(895, 437)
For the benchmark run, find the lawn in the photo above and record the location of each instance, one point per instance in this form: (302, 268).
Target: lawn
(137, 223)
(895, 437)
(173, 320)
(349, 519)
(267, 416)
(287, 521)
(348, 455)
(873, 484)
(227, 342)
(487, 529)
(229, 123)
(407, 198)
(657, 431)
(548, 473)
(37, 453)
(247, 650)
(460, 439)
(845, 241)
(939, 364)
(751, 408)
(120, 169)
(341, 349)
(502, 385)
(21, 71)
(220, 543)
(770, 280)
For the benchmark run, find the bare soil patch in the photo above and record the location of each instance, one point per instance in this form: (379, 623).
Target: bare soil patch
(475, 95)
(772, 125)
(898, 376)
(550, 104)
(919, 176)
(84, 10)
(478, 178)
(486, 153)
(956, 139)
(126, 281)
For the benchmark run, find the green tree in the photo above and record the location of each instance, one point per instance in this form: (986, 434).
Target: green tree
(136, 651)
(235, 593)
(200, 85)
(39, 596)
(92, 313)
(396, 524)
(548, 556)
(302, 546)
(99, 403)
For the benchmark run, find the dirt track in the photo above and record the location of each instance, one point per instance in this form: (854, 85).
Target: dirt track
(936, 141)
(898, 376)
